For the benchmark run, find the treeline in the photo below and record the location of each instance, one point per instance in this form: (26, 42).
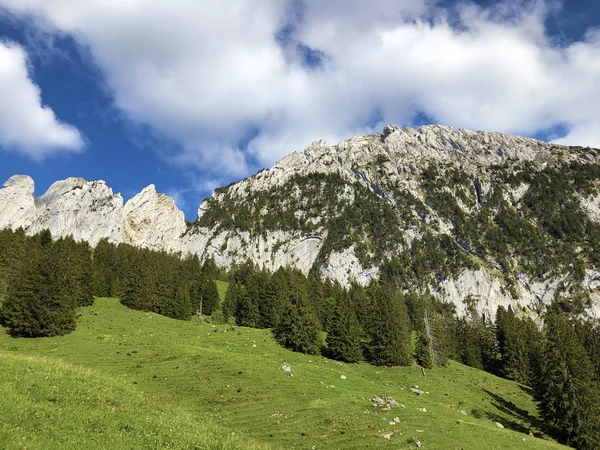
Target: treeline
(42, 282)
(155, 281)
(308, 315)
(560, 362)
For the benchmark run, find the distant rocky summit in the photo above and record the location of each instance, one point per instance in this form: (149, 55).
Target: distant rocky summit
(478, 219)
(89, 211)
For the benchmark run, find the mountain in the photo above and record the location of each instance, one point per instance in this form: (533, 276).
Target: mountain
(89, 211)
(478, 219)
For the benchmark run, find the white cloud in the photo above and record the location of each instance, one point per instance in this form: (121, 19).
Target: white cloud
(208, 74)
(26, 125)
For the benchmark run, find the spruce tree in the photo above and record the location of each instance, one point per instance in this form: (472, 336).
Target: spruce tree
(513, 348)
(209, 296)
(102, 268)
(137, 287)
(12, 254)
(567, 394)
(246, 312)
(468, 344)
(229, 307)
(423, 351)
(210, 269)
(269, 305)
(180, 306)
(78, 264)
(388, 328)
(345, 336)
(298, 328)
(40, 301)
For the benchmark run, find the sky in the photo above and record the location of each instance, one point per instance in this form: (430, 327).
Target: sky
(190, 95)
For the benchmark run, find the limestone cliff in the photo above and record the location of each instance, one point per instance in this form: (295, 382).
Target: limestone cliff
(89, 211)
(153, 221)
(475, 218)
(17, 207)
(343, 209)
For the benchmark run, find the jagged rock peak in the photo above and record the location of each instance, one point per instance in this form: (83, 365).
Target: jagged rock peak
(89, 211)
(23, 183)
(153, 221)
(439, 141)
(17, 207)
(399, 148)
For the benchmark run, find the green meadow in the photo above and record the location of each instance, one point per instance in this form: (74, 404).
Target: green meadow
(129, 379)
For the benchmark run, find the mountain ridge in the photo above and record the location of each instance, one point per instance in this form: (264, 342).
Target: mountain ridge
(344, 210)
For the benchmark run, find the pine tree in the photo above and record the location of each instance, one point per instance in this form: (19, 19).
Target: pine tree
(567, 395)
(40, 301)
(388, 328)
(423, 351)
(229, 307)
(298, 328)
(345, 336)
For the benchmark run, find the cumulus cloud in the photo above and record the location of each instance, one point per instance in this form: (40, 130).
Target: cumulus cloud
(26, 125)
(242, 83)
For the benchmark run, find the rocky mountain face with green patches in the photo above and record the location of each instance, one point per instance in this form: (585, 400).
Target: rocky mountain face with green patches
(477, 219)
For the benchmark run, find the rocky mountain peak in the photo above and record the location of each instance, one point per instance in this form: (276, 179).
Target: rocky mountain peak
(477, 218)
(23, 183)
(153, 221)
(17, 207)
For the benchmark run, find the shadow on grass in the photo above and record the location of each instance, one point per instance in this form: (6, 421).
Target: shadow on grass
(523, 422)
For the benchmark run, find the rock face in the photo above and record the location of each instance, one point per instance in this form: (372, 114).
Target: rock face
(86, 210)
(153, 221)
(426, 180)
(89, 211)
(458, 211)
(17, 208)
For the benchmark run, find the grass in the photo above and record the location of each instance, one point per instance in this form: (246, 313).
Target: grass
(231, 376)
(222, 289)
(47, 403)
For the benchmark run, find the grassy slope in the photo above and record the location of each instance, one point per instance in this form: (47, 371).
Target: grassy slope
(47, 403)
(233, 376)
(222, 288)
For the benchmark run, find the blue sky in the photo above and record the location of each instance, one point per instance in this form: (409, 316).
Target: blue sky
(189, 95)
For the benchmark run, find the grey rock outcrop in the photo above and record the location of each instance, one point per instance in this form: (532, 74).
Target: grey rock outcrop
(17, 207)
(89, 211)
(396, 157)
(153, 221)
